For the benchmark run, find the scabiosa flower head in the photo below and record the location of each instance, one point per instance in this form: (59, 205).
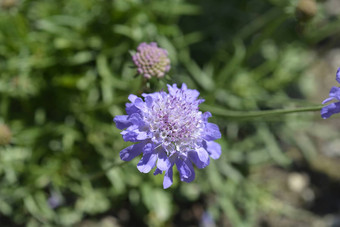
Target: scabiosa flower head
(169, 130)
(151, 60)
(334, 93)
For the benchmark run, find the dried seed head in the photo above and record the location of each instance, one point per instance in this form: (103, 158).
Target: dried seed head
(5, 135)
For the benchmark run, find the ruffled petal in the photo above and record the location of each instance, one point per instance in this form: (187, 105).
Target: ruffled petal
(132, 98)
(191, 95)
(184, 87)
(122, 121)
(213, 148)
(172, 89)
(133, 134)
(330, 109)
(136, 119)
(148, 148)
(148, 101)
(327, 100)
(200, 157)
(335, 93)
(163, 162)
(134, 106)
(147, 162)
(167, 181)
(131, 152)
(154, 95)
(212, 132)
(157, 171)
(206, 115)
(191, 167)
(131, 108)
(140, 104)
(338, 75)
(186, 170)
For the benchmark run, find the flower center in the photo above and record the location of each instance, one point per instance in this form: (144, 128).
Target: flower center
(175, 123)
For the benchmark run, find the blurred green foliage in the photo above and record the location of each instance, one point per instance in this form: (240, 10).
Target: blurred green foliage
(66, 72)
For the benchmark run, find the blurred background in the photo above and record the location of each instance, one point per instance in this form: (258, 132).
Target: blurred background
(65, 72)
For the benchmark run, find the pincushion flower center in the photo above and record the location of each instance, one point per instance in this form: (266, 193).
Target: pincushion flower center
(175, 122)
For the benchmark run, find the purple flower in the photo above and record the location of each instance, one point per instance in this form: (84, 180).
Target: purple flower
(151, 60)
(54, 200)
(207, 220)
(334, 93)
(169, 130)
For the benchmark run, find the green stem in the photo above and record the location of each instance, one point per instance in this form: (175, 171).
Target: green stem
(219, 111)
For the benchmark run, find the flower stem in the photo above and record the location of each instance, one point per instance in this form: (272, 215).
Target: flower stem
(220, 111)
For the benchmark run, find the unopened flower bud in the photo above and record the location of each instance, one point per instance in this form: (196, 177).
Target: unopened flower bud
(151, 60)
(7, 4)
(306, 9)
(5, 135)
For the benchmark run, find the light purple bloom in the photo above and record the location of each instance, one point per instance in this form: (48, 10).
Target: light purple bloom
(151, 60)
(207, 220)
(54, 200)
(169, 130)
(334, 93)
